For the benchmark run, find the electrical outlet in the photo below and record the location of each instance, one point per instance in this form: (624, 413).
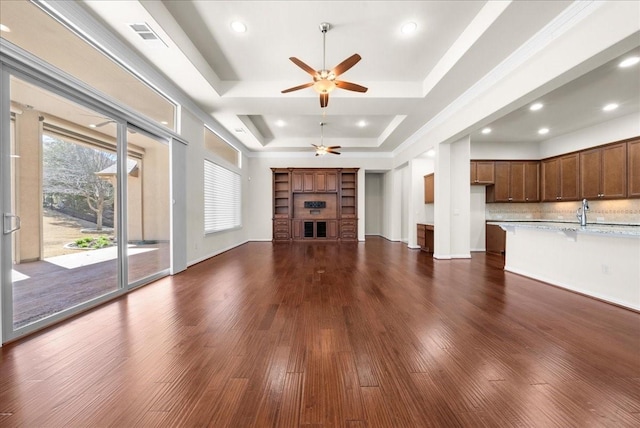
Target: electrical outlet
(605, 269)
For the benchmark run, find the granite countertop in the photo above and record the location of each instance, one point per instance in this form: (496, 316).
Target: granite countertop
(572, 227)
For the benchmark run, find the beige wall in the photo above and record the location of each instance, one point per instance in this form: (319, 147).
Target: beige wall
(28, 186)
(155, 193)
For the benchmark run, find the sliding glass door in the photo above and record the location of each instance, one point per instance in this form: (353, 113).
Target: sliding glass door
(66, 193)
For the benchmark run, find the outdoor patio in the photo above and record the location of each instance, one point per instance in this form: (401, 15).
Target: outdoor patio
(46, 287)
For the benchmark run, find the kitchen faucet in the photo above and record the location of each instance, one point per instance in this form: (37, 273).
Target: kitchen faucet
(582, 213)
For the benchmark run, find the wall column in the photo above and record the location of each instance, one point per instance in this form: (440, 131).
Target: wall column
(28, 186)
(452, 200)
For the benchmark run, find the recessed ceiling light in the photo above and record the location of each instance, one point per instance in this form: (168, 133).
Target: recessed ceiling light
(4, 28)
(535, 106)
(280, 123)
(409, 27)
(543, 131)
(238, 27)
(431, 153)
(362, 124)
(164, 122)
(92, 125)
(628, 62)
(610, 106)
(486, 131)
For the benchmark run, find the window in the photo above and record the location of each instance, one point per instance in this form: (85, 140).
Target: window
(221, 198)
(221, 148)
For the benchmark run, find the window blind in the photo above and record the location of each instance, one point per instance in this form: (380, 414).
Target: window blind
(222, 208)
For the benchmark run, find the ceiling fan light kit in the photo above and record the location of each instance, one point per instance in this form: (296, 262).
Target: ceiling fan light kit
(322, 150)
(325, 81)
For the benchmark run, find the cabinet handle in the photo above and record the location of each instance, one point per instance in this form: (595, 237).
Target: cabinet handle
(510, 199)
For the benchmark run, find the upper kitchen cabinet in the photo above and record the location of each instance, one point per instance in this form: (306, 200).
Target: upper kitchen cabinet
(633, 168)
(429, 189)
(314, 181)
(515, 181)
(482, 172)
(604, 172)
(561, 178)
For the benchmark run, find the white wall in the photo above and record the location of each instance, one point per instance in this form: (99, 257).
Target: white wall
(260, 194)
(608, 132)
(477, 218)
(505, 151)
(199, 245)
(391, 216)
(418, 212)
(374, 203)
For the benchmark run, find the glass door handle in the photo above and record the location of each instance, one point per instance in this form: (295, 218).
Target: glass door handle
(7, 223)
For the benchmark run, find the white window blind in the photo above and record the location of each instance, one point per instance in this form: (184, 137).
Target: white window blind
(222, 209)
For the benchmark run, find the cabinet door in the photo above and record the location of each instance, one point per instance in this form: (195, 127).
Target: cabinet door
(516, 182)
(501, 186)
(613, 177)
(429, 190)
(485, 172)
(550, 180)
(569, 177)
(482, 172)
(420, 235)
(307, 181)
(296, 226)
(633, 168)
(532, 181)
(332, 229)
(296, 182)
(590, 161)
(332, 182)
(320, 181)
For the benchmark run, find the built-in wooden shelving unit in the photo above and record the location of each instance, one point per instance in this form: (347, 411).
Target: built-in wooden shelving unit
(315, 203)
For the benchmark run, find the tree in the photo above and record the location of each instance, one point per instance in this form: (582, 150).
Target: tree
(70, 169)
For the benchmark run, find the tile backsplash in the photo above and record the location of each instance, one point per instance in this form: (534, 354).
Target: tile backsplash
(613, 211)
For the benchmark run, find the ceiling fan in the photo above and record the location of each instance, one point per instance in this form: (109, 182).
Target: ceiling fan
(325, 81)
(322, 150)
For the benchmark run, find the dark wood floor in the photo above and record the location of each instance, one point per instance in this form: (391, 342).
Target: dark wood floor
(332, 335)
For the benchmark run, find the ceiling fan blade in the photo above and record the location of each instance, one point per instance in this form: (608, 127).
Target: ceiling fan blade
(332, 152)
(346, 64)
(324, 100)
(296, 88)
(303, 66)
(314, 146)
(100, 125)
(333, 147)
(350, 86)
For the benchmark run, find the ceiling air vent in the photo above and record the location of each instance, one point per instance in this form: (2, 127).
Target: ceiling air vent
(147, 34)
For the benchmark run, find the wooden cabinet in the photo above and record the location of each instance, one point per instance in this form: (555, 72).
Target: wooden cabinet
(315, 203)
(425, 237)
(482, 172)
(560, 178)
(515, 181)
(604, 172)
(349, 230)
(281, 204)
(314, 181)
(429, 189)
(633, 169)
(496, 239)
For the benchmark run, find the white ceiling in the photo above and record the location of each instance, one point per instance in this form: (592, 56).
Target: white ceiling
(238, 78)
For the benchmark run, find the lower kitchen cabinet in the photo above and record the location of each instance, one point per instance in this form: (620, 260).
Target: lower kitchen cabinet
(496, 239)
(425, 237)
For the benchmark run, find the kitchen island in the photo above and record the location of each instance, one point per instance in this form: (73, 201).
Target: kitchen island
(598, 260)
